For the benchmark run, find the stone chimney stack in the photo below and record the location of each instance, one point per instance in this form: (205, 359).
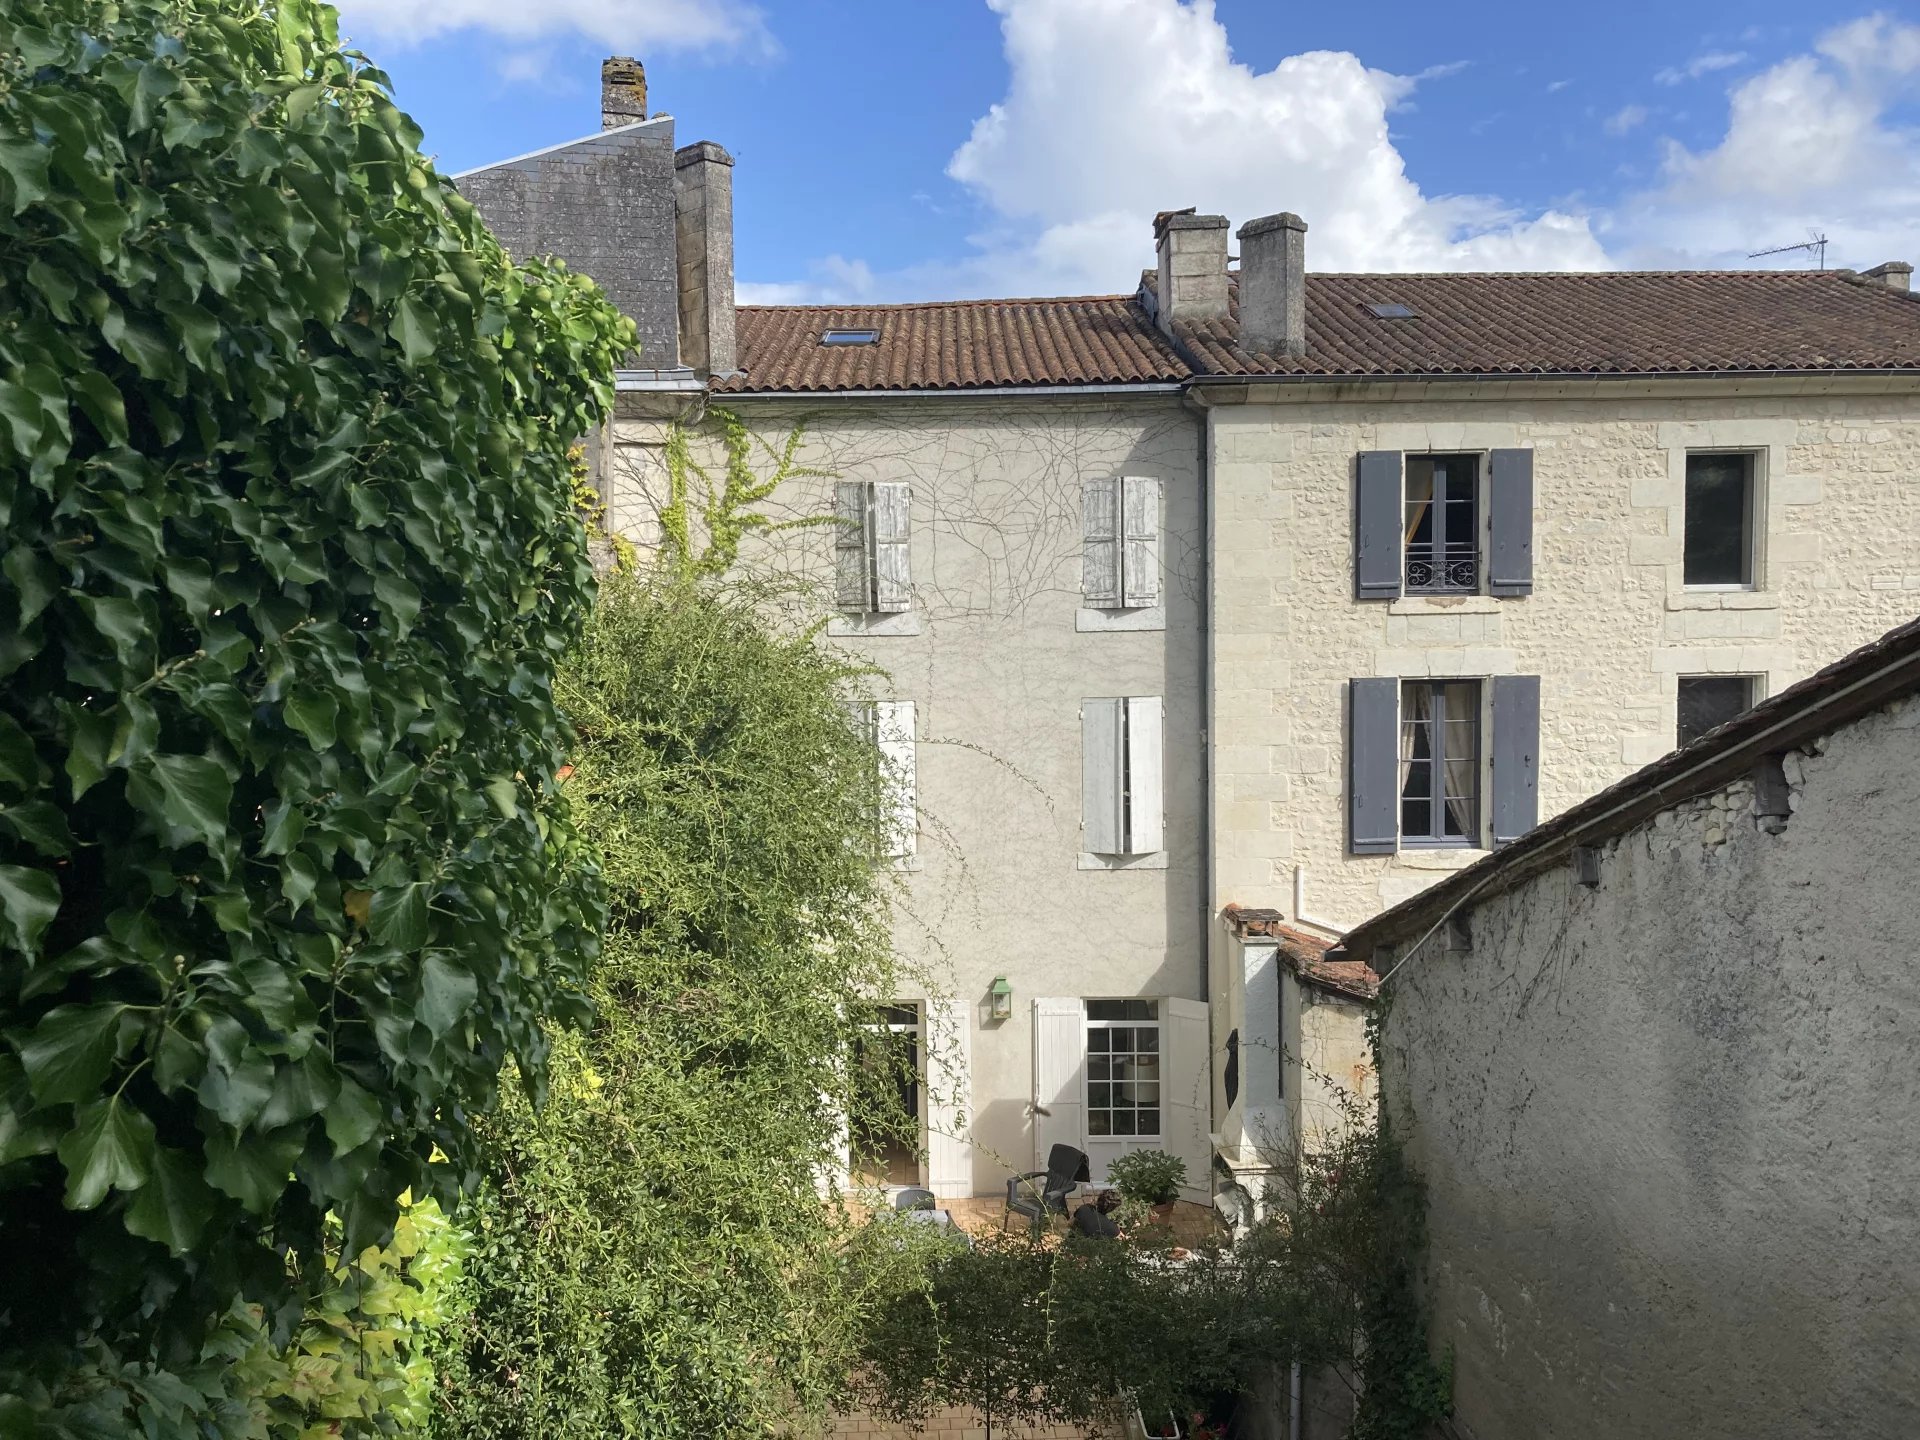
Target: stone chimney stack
(1192, 251)
(1894, 275)
(1273, 285)
(623, 92)
(703, 235)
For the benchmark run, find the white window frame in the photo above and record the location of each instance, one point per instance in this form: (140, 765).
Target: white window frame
(1159, 1081)
(1755, 522)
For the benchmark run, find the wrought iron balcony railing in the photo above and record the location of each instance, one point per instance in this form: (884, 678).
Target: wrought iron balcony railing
(1443, 569)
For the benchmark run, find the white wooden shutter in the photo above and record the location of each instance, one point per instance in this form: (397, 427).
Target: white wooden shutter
(1059, 1074)
(852, 575)
(1186, 1093)
(1145, 804)
(943, 1028)
(1100, 542)
(1102, 774)
(892, 525)
(893, 733)
(1140, 566)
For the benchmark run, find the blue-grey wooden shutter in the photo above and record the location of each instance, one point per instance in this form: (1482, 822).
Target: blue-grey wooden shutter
(1510, 522)
(1376, 526)
(1516, 756)
(1373, 766)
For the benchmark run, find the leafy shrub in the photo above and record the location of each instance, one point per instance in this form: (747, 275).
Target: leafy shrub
(654, 1254)
(1152, 1177)
(289, 564)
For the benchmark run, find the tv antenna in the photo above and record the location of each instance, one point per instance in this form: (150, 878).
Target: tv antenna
(1815, 242)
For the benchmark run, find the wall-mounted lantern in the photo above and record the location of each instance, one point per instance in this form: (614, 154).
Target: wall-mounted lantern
(1000, 997)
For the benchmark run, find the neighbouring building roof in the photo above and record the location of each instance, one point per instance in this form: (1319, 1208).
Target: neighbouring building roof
(1303, 952)
(953, 345)
(1857, 684)
(1613, 323)
(1627, 322)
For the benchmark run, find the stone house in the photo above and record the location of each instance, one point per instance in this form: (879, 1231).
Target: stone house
(1655, 1061)
(1265, 588)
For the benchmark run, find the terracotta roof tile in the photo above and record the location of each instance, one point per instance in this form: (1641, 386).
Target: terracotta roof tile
(957, 345)
(1628, 322)
(1304, 952)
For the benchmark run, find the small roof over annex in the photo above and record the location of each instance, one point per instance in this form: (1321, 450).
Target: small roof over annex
(1303, 952)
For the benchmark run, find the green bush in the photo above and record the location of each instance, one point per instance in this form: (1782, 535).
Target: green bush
(1150, 1177)
(655, 1255)
(288, 567)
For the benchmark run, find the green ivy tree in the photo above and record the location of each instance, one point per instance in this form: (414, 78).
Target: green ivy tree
(285, 878)
(658, 1253)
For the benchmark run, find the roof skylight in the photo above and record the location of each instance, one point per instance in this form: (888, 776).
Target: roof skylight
(1393, 310)
(851, 336)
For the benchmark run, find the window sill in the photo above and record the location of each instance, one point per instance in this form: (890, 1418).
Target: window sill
(903, 864)
(1729, 597)
(902, 622)
(1097, 622)
(1155, 861)
(1440, 857)
(1444, 605)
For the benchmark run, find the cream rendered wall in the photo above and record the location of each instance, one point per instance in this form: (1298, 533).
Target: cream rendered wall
(992, 659)
(1666, 1124)
(1609, 627)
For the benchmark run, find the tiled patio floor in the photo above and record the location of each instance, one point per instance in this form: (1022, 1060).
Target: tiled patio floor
(983, 1214)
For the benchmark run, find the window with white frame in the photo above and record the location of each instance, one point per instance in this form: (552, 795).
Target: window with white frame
(889, 725)
(1122, 810)
(1719, 549)
(872, 521)
(1120, 542)
(1707, 702)
(1123, 1068)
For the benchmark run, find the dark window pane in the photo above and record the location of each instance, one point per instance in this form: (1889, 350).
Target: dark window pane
(1097, 1123)
(1719, 503)
(1099, 1095)
(1106, 1009)
(1098, 1067)
(1149, 1122)
(1710, 700)
(1416, 819)
(900, 1015)
(1122, 1038)
(1127, 1094)
(1123, 1122)
(1098, 1040)
(1122, 1068)
(1148, 1041)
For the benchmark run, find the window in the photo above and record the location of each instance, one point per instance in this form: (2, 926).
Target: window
(1719, 519)
(870, 570)
(1707, 701)
(1123, 1067)
(885, 1123)
(1392, 310)
(889, 724)
(1120, 793)
(1442, 524)
(1440, 762)
(850, 337)
(1120, 542)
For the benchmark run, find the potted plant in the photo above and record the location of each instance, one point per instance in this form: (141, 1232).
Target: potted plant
(1149, 1177)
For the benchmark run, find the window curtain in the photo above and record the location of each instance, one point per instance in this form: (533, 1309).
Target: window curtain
(1462, 721)
(1415, 722)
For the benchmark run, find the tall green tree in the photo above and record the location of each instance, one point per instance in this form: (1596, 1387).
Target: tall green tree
(285, 879)
(656, 1255)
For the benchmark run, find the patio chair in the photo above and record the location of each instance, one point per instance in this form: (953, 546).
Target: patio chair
(1040, 1194)
(914, 1198)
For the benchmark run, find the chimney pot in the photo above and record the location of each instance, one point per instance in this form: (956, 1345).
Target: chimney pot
(703, 247)
(623, 92)
(1273, 285)
(1893, 274)
(1192, 251)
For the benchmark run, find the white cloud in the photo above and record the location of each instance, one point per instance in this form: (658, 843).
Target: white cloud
(1627, 117)
(1554, 87)
(1701, 65)
(1116, 109)
(636, 27)
(1809, 146)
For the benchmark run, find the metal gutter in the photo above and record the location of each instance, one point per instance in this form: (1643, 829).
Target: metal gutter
(1488, 377)
(679, 381)
(984, 392)
(1816, 706)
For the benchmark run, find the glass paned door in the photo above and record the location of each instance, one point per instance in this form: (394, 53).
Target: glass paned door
(1123, 1101)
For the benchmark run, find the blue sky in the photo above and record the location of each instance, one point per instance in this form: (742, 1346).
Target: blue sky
(903, 149)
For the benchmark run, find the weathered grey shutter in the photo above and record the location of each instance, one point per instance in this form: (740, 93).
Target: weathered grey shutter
(1373, 766)
(1510, 522)
(1102, 822)
(1140, 563)
(1100, 542)
(1516, 756)
(852, 576)
(1145, 809)
(1376, 525)
(892, 524)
